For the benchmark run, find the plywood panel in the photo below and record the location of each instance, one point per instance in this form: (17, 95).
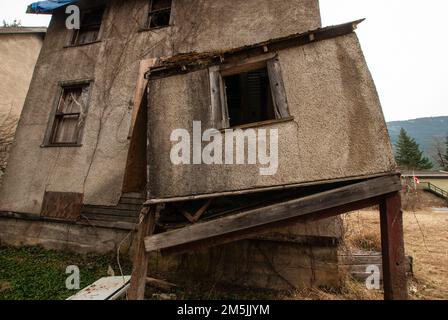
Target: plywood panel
(61, 205)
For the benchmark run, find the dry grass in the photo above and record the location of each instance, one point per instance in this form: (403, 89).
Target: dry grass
(426, 240)
(367, 241)
(352, 290)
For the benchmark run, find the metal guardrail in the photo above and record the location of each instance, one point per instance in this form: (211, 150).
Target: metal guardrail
(435, 189)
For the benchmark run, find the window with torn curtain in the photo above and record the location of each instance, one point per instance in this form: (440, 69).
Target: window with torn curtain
(159, 14)
(67, 123)
(248, 92)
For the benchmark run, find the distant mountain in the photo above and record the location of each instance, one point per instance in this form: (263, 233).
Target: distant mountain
(423, 130)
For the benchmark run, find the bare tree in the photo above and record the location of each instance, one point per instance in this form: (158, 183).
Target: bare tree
(438, 151)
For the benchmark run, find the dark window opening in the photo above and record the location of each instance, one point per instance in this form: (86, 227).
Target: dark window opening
(159, 14)
(249, 98)
(69, 116)
(90, 27)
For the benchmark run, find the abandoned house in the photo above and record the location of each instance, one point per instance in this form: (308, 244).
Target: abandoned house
(95, 138)
(19, 50)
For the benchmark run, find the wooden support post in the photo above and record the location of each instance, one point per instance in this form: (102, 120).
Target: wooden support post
(140, 263)
(394, 266)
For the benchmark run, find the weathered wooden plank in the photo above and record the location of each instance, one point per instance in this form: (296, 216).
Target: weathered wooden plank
(361, 259)
(140, 264)
(129, 207)
(161, 284)
(263, 189)
(224, 106)
(394, 263)
(107, 217)
(216, 107)
(133, 195)
(108, 288)
(108, 224)
(278, 89)
(62, 205)
(360, 263)
(263, 217)
(121, 206)
(262, 229)
(145, 65)
(112, 211)
(245, 65)
(359, 272)
(131, 201)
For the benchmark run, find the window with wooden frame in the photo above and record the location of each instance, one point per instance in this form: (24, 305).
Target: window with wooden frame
(248, 92)
(89, 30)
(67, 122)
(159, 14)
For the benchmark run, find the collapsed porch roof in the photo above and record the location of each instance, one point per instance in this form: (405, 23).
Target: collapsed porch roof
(47, 7)
(187, 62)
(250, 223)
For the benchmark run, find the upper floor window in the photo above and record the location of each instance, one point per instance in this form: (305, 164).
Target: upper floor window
(248, 92)
(159, 13)
(90, 27)
(249, 98)
(66, 125)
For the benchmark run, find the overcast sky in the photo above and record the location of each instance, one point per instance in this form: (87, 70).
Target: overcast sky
(404, 42)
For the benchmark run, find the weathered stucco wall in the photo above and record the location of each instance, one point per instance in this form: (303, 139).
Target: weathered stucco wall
(18, 56)
(97, 168)
(338, 129)
(204, 25)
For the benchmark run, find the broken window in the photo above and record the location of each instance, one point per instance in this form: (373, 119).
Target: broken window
(249, 97)
(248, 93)
(90, 27)
(69, 117)
(159, 13)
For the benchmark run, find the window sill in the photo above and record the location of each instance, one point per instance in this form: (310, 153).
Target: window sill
(260, 124)
(61, 146)
(144, 29)
(82, 44)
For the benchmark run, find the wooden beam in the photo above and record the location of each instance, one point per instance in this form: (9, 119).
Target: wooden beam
(240, 226)
(189, 62)
(193, 218)
(394, 260)
(254, 232)
(160, 284)
(145, 65)
(262, 189)
(245, 65)
(215, 96)
(278, 89)
(140, 263)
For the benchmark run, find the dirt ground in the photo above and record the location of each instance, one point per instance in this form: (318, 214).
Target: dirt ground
(426, 240)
